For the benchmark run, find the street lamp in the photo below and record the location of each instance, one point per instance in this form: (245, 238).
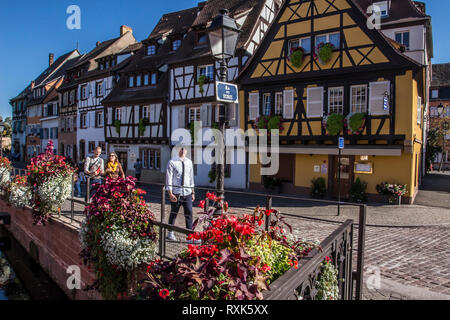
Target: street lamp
(2, 128)
(444, 126)
(223, 35)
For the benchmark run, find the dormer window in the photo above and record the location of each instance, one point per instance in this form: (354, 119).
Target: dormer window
(384, 8)
(101, 66)
(176, 44)
(202, 38)
(154, 79)
(151, 50)
(146, 78)
(138, 80)
(131, 81)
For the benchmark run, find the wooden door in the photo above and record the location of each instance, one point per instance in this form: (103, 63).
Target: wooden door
(123, 159)
(347, 175)
(286, 169)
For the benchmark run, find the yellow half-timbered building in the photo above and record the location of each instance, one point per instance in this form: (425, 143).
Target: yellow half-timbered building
(362, 88)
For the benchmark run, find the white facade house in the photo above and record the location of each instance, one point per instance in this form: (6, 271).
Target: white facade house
(193, 92)
(49, 124)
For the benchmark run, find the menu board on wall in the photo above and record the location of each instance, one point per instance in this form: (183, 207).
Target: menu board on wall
(364, 168)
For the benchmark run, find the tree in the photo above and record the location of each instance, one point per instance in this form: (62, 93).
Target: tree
(434, 145)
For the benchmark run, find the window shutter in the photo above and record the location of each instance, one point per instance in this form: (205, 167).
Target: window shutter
(419, 110)
(79, 93)
(204, 115)
(181, 117)
(152, 113)
(314, 102)
(103, 93)
(376, 100)
(253, 106)
(288, 104)
(158, 117)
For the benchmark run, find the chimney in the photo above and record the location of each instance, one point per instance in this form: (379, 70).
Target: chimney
(51, 57)
(97, 44)
(124, 29)
(32, 85)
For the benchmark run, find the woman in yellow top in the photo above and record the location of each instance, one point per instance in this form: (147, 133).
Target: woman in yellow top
(114, 168)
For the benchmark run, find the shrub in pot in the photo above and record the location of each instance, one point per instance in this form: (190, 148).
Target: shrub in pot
(318, 188)
(358, 192)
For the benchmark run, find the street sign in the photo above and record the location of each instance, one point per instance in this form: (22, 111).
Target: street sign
(341, 143)
(386, 101)
(226, 92)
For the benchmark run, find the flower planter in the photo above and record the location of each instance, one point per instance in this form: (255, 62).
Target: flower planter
(394, 200)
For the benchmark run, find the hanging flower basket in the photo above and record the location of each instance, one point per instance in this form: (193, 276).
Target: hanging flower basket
(117, 125)
(19, 192)
(333, 124)
(201, 82)
(355, 123)
(143, 123)
(297, 56)
(325, 52)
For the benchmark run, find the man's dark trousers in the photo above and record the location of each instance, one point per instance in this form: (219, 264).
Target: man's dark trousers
(186, 202)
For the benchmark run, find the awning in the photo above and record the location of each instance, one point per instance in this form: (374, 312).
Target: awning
(388, 151)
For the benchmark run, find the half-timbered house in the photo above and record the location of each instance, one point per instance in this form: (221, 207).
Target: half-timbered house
(361, 87)
(193, 72)
(94, 86)
(40, 90)
(19, 123)
(71, 95)
(137, 109)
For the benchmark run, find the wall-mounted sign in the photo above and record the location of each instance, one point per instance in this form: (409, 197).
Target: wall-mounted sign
(316, 169)
(364, 168)
(226, 92)
(324, 168)
(386, 101)
(341, 143)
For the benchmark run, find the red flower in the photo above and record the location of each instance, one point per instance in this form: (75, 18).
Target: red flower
(164, 293)
(265, 268)
(202, 204)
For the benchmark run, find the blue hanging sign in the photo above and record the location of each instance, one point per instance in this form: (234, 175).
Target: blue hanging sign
(341, 143)
(226, 92)
(386, 101)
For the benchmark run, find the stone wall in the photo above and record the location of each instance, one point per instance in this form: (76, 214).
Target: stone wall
(55, 247)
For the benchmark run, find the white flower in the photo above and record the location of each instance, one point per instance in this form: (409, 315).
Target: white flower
(20, 196)
(55, 190)
(5, 176)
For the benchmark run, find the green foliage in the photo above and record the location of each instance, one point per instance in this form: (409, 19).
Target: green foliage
(328, 285)
(117, 125)
(271, 182)
(269, 122)
(434, 145)
(212, 175)
(356, 122)
(297, 57)
(325, 52)
(143, 123)
(318, 188)
(201, 82)
(358, 191)
(335, 124)
(273, 254)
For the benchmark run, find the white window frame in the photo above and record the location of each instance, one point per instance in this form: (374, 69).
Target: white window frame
(330, 97)
(99, 86)
(299, 40)
(365, 106)
(402, 33)
(208, 70)
(146, 112)
(309, 102)
(327, 35)
(279, 103)
(267, 103)
(196, 114)
(384, 6)
(84, 120)
(99, 119)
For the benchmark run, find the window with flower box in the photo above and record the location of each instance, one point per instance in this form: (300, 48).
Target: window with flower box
(333, 38)
(206, 71)
(118, 114)
(267, 106)
(304, 43)
(336, 100)
(358, 98)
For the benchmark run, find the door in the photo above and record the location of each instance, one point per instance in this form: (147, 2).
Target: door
(82, 150)
(123, 159)
(286, 169)
(346, 177)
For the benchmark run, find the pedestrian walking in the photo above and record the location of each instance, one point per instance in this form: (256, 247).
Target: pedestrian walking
(93, 169)
(138, 169)
(114, 168)
(180, 186)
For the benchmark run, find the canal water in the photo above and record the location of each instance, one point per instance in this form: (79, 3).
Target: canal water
(21, 278)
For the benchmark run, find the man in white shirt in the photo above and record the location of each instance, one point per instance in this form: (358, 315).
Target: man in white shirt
(94, 167)
(180, 186)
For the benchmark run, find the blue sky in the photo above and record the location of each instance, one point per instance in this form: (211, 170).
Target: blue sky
(32, 29)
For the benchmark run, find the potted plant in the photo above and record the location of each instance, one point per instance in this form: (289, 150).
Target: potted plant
(117, 124)
(50, 178)
(297, 56)
(355, 123)
(333, 124)
(358, 192)
(201, 82)
(325, 52)
(118, 237)
(272, 183)
(269, 123)
(143, 123)
(19, 192)
(318, 188)
(393, 192)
